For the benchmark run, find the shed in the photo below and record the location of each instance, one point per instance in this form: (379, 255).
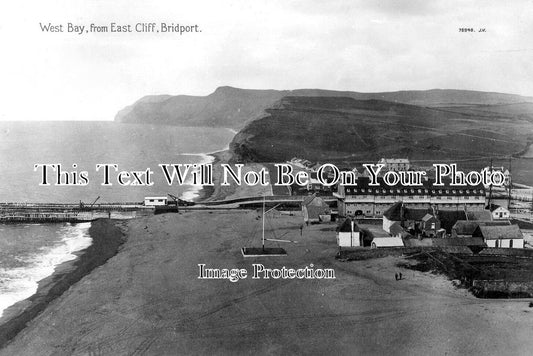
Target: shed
(502, 236)
(464, 228)
(430, 224)
(387, 242)
(349, 234)
(498, 212)
(155, 201)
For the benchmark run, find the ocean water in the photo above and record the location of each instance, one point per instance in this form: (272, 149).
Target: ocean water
(31, 252)
(84, 144)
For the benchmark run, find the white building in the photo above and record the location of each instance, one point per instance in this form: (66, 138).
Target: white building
(506, 236)
(155, 201)
(499, 212)
(505, 172)
(349, 234)
(395, 164)
(393, 241)
(363, 199)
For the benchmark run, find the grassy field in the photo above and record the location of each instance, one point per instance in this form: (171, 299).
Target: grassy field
(348, 131)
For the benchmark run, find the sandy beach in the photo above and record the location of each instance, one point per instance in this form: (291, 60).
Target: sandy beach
(106, 236)
(148, 299)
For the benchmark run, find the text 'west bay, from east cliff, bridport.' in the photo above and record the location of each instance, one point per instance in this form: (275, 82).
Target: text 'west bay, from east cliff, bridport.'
(119, 28)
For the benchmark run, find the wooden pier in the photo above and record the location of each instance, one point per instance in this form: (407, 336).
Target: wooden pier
(73, 213)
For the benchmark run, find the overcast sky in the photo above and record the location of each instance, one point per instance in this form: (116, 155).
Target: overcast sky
(365, 46)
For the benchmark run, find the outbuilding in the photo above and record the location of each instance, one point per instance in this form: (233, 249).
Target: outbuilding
(504, 236)
(155, 201)
(349, 234)
(498, 212)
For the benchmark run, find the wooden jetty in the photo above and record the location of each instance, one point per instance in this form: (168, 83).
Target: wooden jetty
(50, 213)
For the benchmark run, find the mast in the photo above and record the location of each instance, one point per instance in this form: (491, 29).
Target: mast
(509, 184)
(490, 187)
(263, 223)
(532, 201)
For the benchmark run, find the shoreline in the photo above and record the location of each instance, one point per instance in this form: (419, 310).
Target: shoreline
(107, 238)
(208, 192)
(148, 300)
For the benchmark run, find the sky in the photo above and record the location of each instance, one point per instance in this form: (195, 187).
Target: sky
(365, 46)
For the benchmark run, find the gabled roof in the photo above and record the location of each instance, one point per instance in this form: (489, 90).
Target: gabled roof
(448, 218)
(415, 214)
(428, 217)
(465, 227)
(346, 226)
(482, 215)
(315, 206)
(498, 232)
(394, 160)
(388, 241)
(313, 200)
(394, 213)
(493, 207)
(396, 229)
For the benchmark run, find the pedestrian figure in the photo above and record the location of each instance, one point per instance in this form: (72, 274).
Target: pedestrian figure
(396, 276)
(301, 229)
(400, 275)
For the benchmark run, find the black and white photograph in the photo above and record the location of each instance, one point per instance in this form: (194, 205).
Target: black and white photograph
(252, 177)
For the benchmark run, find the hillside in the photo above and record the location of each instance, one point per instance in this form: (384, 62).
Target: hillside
(342, 129)
(234, 108)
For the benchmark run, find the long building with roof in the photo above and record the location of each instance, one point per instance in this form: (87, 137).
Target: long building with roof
(363, 199)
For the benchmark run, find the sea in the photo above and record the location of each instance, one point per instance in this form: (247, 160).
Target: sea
(31, 252)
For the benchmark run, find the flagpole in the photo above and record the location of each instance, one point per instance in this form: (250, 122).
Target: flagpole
(263, 223)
